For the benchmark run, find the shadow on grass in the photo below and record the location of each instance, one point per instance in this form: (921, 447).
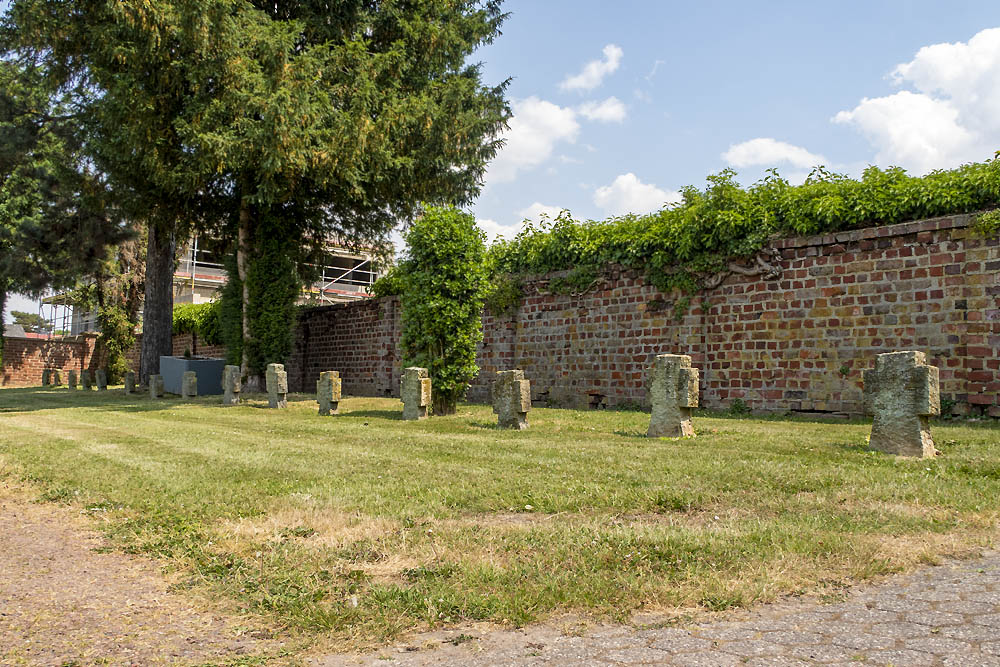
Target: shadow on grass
(393, 415)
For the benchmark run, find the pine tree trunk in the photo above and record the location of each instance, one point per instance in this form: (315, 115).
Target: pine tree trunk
(158, 311)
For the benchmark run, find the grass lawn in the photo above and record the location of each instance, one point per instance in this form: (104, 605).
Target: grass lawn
(363, 526)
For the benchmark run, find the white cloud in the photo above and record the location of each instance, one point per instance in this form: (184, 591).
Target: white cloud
(495, 230)
(611, 110)
(535, 129)
(952, 115)
(535, 211)
(913, 131)
(593, 73)
(768, 152)
(627, 194)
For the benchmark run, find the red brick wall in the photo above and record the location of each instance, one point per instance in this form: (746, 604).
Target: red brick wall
(798, 342)
(361, 340)
(24, 359)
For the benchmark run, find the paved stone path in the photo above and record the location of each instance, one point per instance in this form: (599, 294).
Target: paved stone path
(947, 615)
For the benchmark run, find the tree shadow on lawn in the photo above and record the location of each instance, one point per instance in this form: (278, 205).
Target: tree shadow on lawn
(37, 399)
(392, 415)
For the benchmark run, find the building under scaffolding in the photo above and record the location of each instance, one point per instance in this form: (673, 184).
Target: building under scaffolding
(200, 274)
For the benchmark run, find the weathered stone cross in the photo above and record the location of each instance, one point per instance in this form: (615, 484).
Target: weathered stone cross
(512, 399)
(328, 392)
(415, 390)
(231, 385)
(277, 386)
(189, 385)
(902, 392)
(673, 391)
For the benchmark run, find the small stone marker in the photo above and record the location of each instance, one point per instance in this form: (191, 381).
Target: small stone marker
(902, 392)
(155, 386)
(512, 399)
(129, 382)
(277, 386)
(415, 390)
(673, 391)
(328, 392)
(72, 381)
(46, 377)
(102, 379)
(189, 385)
(231, 385)
(57, 377)
(87, 380)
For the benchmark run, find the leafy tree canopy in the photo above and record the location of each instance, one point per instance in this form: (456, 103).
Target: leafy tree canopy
(31, 322)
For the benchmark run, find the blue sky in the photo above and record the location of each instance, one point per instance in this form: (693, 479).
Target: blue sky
(620, 104)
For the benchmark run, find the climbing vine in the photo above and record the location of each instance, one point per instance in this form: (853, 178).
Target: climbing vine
(726, 228)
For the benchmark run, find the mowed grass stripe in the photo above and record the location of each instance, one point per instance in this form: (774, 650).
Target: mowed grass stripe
(332, 526)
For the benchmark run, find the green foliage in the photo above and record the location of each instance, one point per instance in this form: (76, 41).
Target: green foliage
(231, 313)
(201, 319)
(274, 285)
(444, 285)
(31, 322)
(679, 247)
(116, 339)
(987, 224)
(390, 284)
(577, 281)
(504, 294)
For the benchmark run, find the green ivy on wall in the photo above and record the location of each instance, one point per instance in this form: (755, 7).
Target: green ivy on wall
(683, 247)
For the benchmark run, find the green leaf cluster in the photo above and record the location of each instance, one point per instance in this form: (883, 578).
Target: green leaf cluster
(444, 283)
(200, 319)
(679, 246)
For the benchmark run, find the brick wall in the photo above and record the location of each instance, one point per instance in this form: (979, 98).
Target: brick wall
(798, 342)
(361, 340)
(24, 359)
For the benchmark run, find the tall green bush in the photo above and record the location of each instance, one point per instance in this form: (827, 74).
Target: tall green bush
(443, 281)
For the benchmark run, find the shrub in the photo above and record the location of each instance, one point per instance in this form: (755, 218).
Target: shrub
(443, 283)
(200, 319)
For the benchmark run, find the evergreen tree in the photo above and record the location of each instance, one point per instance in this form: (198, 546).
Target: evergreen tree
(281, 124)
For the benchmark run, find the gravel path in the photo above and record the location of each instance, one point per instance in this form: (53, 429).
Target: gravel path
(63, 603)
(947, 615)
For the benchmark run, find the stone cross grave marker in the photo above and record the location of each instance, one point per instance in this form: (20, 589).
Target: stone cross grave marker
(511, 399)
(903, 392)
(73, 382)
(277, 386)
(129, 382)
(328, 392)
(87, 380)
(102, 379)
(189, 385)
(231, 385)
(416, 392)
(156, 386)
(673, 391)
(57, 377)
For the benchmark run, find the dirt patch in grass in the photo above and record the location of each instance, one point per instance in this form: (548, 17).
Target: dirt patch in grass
(64, 601)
